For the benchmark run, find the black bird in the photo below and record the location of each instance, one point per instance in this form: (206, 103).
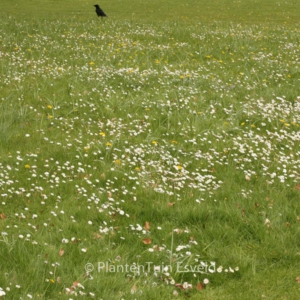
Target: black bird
(99, 11)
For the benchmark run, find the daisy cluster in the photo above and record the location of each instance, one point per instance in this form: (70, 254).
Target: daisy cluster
(98, 118)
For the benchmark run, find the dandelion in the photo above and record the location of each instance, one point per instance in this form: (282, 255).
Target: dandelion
(27, 166)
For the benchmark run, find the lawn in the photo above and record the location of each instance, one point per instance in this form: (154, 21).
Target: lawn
(152, 154)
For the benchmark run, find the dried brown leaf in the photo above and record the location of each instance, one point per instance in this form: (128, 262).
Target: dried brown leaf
(170, 204)
(61, 252)
(2, 216)
(147, 226)
(74, 285)
(133, 289)
(200, 286)
(179, 285)
(147, 241)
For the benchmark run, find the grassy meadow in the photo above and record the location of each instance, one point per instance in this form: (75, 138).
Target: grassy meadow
(153, 154)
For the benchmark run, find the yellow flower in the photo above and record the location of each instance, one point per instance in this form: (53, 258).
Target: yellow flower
(91, 63)
(102, 133)
(117, 161)
(179, 167)
(49, 106)
(27, 166)
(108, 144)
(154, 143)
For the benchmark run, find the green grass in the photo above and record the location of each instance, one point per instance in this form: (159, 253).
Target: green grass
(166, 135)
